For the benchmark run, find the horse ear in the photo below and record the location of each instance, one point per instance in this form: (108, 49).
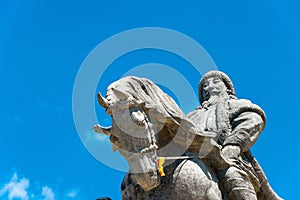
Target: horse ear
(122, 96)
(102, 101)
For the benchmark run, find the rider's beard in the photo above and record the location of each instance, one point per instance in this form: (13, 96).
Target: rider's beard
(214, 99)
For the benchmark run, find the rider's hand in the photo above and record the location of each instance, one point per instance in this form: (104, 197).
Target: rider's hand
(231, 152)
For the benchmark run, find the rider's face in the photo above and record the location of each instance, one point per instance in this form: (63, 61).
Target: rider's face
(214, 87)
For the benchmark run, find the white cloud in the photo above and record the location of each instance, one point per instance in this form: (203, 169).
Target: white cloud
(48, 193)
(16, 188)
(72, 194)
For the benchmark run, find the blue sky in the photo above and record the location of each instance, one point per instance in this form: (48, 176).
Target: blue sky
(43, 44)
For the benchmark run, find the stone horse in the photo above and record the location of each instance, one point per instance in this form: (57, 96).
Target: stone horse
(148, 128)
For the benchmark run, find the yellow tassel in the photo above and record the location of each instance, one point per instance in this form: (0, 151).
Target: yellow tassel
(161, 171)
(160, 163)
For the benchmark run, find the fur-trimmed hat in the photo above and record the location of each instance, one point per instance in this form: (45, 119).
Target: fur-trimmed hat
(221, 75)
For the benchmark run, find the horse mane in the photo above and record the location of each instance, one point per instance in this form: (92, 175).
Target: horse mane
(151, 98)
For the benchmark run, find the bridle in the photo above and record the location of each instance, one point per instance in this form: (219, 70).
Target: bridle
(153, 148)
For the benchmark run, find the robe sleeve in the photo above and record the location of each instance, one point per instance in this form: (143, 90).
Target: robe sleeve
(246, 127)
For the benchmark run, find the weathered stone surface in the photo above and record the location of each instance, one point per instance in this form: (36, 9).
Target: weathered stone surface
(207, 152)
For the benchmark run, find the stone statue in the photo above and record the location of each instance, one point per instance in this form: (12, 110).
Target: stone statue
(206, 153)
(238, 123)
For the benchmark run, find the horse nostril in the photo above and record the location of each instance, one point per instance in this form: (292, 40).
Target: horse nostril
(151, 173)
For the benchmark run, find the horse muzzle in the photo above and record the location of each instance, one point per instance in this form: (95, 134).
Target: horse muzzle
(147, 181)
(143, 169)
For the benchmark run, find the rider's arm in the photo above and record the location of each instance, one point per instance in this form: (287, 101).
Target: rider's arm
(245, 130)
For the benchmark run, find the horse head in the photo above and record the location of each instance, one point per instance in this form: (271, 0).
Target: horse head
(132, 132)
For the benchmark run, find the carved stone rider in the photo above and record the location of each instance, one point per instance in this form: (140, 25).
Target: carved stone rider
(238, 123)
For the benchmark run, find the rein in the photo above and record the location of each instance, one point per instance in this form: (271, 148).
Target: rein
(176, 157)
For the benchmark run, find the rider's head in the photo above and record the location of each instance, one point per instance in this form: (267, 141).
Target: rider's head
(215, 83)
